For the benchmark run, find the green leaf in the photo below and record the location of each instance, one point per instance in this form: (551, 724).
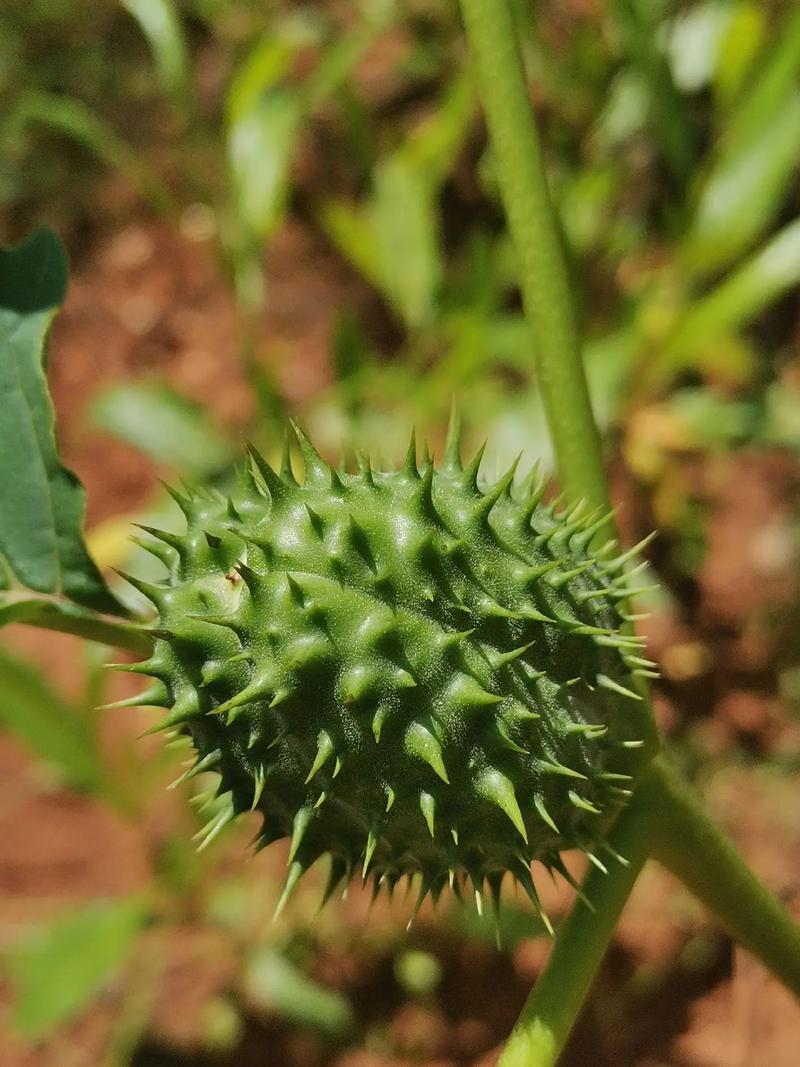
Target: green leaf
(163, 425)
(41, 502)
(407, 230)
(350, 228)
(274, 983)
(31, 711)
(263, 123)
(745, 190)
(738, 49)
(75, 120)
(161, 25)
(60, 968)
(761, 280)
(775, 82)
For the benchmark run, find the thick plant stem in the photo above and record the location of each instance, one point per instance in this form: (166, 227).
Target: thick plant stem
(662, 810)
(543, 273)
(690, 845)
(549, 1015)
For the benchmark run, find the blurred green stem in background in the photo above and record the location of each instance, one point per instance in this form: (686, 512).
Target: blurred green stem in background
(663, 816)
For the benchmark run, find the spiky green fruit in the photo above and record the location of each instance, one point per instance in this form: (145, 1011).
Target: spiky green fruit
(399, 669)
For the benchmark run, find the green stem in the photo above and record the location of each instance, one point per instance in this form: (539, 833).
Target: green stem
(690, 845)
(550, 1012)
(687, 841)
(543, 274)
(50, 612)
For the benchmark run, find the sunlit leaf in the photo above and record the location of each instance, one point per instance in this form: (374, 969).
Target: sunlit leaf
(756, 284)
(59, 969)
(274, 984)
(406, 226)
(263, 121)
(740, 44)
(41, 502)
(161, 25)
(350, 228)
(745, 190)
(163, 425)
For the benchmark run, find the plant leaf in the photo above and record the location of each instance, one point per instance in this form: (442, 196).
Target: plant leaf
(167, 427)
(407, 231)
(58, 969)
(263, 123)
(274, 983)
(41, 502)
(160, 24)
(33, 712)
(745, 189)
(75, 120)
(753, 286)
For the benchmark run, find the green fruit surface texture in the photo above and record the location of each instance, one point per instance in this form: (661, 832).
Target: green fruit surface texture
(403, 670)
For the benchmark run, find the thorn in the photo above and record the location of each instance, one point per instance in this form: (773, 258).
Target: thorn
(155, 695)
(184, 710)
(259, 778)
(324, 752)
(337, 871)
(420, 742)
(207, 763)
(372, 841)
(275, 485)
(495, 787)
(553, 767)
(617, 565)
(315, 520)
(154, 593)
(427, 806)
(465, 691)
(581, 802)
(281, 696)
(287, 473)
(215, 828)
(470, 475)
(410, 466)
(296, 872)
(557, 580)
(378, 719)
(558, 865)
(614, 687)
(452, 448)
(606, 847)
(502, 486)
(316, 469)
(595, 861)
(523, 875)
(365, 468)
(505, 739)
(538, 803)
(300, 825)
(501, 659)
(172, 540)
(183, 502)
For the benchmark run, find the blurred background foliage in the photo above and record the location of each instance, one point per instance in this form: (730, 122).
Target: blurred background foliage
(328, 160)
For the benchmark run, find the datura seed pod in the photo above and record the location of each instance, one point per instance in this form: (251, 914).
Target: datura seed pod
(405, 671)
